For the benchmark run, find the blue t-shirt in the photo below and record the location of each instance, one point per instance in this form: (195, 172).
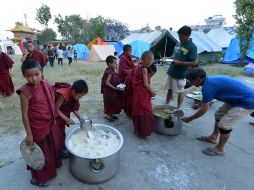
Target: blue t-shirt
(228, 90)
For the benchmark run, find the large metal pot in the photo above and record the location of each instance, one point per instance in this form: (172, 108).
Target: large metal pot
(167, 126)
(95, 170)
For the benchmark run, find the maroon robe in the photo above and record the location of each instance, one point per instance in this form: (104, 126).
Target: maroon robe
(6, 84)
(127, 101)
(68, 106)
(126, 66)
(111, 98)
(42, 113)
(141, 104)
(38, 56)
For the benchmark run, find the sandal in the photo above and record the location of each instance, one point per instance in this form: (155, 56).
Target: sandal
(115, 117)
(39, 184)
(211, 152)
(205, 139)
(109, 119)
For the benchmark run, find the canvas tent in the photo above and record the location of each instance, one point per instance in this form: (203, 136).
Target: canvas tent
(82, 51)
(233, 53)
(96, 41)
(10, 48)
(148, 37)
(220, 36)
(118, 46)
(100, 52)
(139, 47)
(208, 51)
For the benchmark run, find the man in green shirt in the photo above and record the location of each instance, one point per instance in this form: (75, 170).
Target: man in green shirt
(185, 55)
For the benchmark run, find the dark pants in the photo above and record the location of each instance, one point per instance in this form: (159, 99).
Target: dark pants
(75, 59)
(70, 60)
(51, 61)
(60, 61)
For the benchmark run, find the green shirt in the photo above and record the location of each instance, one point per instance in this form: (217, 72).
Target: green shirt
(183, 52)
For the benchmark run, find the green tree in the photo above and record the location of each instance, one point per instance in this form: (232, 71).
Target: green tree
(43, 15)
(70, 27)
(46, 35)
(98, 27)
(245, 20)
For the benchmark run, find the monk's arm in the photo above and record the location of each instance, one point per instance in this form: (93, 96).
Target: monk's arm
(202, 110)
(185, 63)
(24, 102)
(59, 103)
(76, 113)
(24, 57)
(146, 84)
(108, 82)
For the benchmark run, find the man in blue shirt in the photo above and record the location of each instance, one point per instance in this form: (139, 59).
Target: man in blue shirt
(238, 100)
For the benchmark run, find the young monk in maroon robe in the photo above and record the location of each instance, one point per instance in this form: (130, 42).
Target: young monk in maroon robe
(34, 54)
(111, 94)
(126, 63)
(67, 101)
(141, 99)
(6, 84)
(37, 99)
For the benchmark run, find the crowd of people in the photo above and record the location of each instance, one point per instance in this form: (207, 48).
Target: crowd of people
(46, 109)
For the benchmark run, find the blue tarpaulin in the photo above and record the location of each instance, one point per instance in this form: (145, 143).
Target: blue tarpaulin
(233, 53)
(139, 47)
(82, 51)
(118, 46)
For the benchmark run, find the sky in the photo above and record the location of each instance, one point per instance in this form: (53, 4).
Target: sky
(135, 13)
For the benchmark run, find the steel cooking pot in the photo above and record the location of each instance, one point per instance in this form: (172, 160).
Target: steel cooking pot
(95, 170)
(169, 125)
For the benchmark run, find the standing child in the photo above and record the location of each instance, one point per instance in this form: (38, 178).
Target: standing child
(37, 101)
(60, 55)
(111, 94)
(75, 56)
(67, 101)
(141, 98)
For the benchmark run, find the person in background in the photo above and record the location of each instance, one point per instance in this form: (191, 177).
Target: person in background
(6, 84)
(67, 101)
(37, 100)
(51, 56)
(111, 94)
(69, 54)
(185, 56)
(36, 55)
(75, 56)
(126, 63)
(117, 60)
(141, 99)
(237, 98)
(60, 54)
(56, 52)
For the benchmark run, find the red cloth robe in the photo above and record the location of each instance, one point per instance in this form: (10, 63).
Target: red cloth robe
(125, 67)
(68, 106)
(141, 104)
(127, 102)
(6, 84)
(42, 113)
(111, 98)
(38, 56)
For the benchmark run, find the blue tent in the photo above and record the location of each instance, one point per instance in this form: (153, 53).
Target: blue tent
(139, 47)
(118, 46)
(233, 53)
(82, 50)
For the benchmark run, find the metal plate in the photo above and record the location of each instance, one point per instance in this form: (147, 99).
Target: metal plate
(32, 155)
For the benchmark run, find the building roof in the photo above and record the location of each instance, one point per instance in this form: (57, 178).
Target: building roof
(19, 28)
(17, 38)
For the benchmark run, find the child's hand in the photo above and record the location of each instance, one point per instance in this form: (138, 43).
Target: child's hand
(69, 121)
(153, 94)
(81, 120)
(29, 140)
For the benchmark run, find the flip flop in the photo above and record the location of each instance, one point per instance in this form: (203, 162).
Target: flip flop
(205, 139)
(109, 119)
(115, 117)
(39, 184)
(251, 123)
(210, 152)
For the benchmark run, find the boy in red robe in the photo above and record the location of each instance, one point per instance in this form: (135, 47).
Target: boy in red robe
(141, 99)
(67, 101)
(111, 94)
(38, 108)
(6, 84)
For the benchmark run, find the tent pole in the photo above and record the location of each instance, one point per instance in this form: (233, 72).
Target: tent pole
(165, 49)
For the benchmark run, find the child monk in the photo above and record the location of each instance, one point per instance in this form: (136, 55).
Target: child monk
(67, 101)
(37, 101)
(111, 94)
(141, 98)
(6, 84)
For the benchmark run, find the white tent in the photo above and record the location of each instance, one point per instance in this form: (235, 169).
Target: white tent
(220, 36)
(101, 52)
(148, 37)
(10, 48)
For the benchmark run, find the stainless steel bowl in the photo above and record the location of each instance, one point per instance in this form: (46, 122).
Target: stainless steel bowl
(167, 126)
(95, 170)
